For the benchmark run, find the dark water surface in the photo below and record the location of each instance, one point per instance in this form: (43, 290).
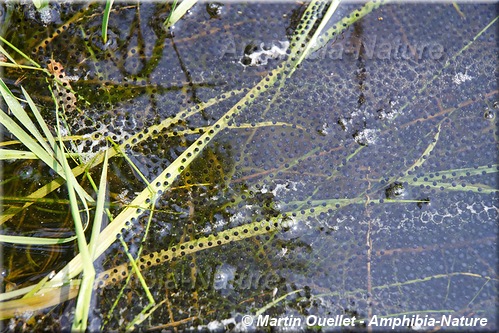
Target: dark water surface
(379, 153)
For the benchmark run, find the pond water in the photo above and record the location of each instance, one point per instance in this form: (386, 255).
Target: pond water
(364, 185)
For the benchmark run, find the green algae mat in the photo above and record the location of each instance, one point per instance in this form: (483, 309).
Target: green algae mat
(249, 167)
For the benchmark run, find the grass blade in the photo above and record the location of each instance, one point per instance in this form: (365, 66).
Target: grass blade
(313, 41)
(24, 240)
(7, 55)
(20, 52)
(105, 19)
(271, 304)
(8, 64)
(47, 156)
(99, 210)
(178, 12)
(18, 111)
(38, 286)
(16, 130)
(40, 3)
(48, 135)
(85, 293)
(12, 154)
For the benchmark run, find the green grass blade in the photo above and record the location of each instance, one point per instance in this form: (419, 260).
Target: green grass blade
(34, 131)
(68, 173)
(39, 4)
(313, 41)
(105, 19)
(136, 269)
(7, 55)
(86, 287)
(83, 301)
(19, 112)
(132, 165)
(38, 286)
(24, 240)
(12, 154)
(99, 210)
(51, 159)
(172, 9)
(178, 12)
(85, 293)
(345, 22)
(31, 144)
(20, 52)
(8, 64)
(419, 162)
(271, 304)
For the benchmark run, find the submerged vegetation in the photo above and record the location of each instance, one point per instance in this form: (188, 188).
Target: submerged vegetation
(180, 165)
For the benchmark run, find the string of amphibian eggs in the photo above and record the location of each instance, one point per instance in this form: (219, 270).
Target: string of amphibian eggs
(280, 223)
(152, 259)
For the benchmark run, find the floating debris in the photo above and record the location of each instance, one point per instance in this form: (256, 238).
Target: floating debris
(253, 57)
(395, 190)
(488, 114)
(461, 78)
(223, 275)
(388, 113)
(365, 137)
(214, 9)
